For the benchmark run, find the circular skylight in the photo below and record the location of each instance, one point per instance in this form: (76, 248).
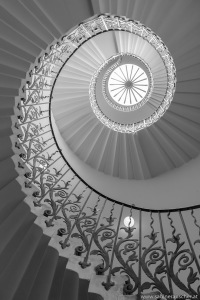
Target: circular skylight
(139, 78)
(128, 84)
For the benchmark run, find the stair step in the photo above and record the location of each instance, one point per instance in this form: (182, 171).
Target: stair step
(9, 229)
(32, 270)
(43, 282)
(17, 264)
(7, 172)
(10, 196)
(70, 286)
(58, 279)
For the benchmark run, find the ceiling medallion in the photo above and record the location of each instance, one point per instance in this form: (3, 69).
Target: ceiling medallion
(128, 83)
(121, 86)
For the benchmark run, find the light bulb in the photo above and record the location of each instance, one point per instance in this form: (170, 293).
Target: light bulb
(129, 222)
(41, 166)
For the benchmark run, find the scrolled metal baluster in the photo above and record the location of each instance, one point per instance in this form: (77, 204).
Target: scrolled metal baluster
(58, 172)
(42, 65)
(30, 149)
(52, 58)
(63, 231)
(124, 246)
(30, 113)
(55, 204)
(35, 82)
(34, 97)
(89, 222)
(43, 191)
(49, 157)
(106, 233)
(108, 282)
(140, 254)
(131, 214)
(24, 123)
(70, 207)
(156, 254)
(198, 226)
(41, 128)
(59, 191)
(39, 149)
(192, 276)
(34, 174)
(131, 245)
(40, 168)
(166, 258)
(86, 226)
(40, 159)
(32, 131)
(55, 207)
(185, 258)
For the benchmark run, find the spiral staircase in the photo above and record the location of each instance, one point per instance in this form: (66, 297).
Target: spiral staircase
(152, 175)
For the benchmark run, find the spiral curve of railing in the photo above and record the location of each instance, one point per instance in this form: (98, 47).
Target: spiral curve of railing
(85, 224)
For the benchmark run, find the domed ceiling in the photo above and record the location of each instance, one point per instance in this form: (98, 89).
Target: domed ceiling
(115, 104)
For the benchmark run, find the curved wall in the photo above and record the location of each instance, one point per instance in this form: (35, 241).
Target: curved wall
(177, 188)
(30, 268)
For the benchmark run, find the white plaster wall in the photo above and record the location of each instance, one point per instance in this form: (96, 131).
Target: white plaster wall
(177, 188)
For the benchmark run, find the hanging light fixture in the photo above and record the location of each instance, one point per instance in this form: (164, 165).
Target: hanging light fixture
(129, 222)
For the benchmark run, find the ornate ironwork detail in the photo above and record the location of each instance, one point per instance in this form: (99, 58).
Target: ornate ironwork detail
(90, 222)
(104, 233)
(85, 225)
(59, 204)
(155, 255)
(198, 226)
(184, 259)
(123, 247)
(70, 212)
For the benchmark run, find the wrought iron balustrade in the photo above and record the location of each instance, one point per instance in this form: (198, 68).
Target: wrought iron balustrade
(159, 253)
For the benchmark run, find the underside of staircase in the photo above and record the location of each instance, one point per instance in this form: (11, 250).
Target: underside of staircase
(31, 268)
